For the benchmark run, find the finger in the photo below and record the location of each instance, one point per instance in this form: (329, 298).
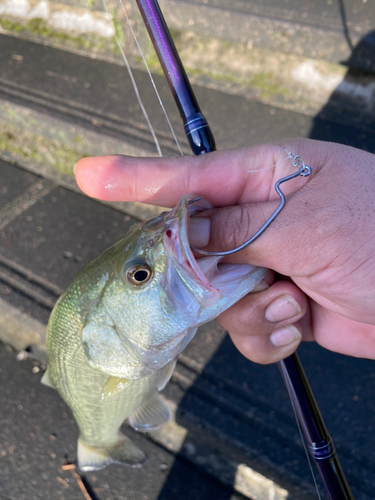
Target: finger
(163, 180)
(282, 247)
(224, 178)
(340, 334)
(264, 326)
(261, 350)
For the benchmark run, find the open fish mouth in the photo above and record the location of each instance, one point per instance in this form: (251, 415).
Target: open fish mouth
(176, 237)
(212, 280)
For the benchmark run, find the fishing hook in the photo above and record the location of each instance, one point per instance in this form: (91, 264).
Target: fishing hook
(303, 170)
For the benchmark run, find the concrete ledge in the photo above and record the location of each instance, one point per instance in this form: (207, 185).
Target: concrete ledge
(50, 147)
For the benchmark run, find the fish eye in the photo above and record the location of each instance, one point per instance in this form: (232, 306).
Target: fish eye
(138, 274)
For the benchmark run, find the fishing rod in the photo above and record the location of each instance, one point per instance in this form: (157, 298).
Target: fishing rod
(201, 140)
(197, 130)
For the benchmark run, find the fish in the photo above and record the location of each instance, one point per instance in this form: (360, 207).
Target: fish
(115, 333)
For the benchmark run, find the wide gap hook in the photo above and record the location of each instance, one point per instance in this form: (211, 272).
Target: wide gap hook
(303, 170)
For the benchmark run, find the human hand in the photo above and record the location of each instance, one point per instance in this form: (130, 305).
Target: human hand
(322, 242)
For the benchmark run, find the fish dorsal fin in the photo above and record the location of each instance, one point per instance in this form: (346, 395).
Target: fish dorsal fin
(167, 375)
(46, 380)
(113, 386)
(151, 415)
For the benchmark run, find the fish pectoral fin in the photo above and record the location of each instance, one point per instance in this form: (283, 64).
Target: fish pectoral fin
(151, 415)
(122, 452)
(104, 350)
(46, 380)
(113, 386)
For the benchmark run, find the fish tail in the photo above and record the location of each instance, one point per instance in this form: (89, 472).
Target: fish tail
(122, 452)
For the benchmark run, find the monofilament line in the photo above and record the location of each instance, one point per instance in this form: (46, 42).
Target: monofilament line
(135, 87)
(151, 78)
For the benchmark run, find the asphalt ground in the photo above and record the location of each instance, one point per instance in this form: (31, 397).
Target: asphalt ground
(232, 410)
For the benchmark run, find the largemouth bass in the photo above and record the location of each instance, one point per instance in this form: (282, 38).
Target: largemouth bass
(114, 334)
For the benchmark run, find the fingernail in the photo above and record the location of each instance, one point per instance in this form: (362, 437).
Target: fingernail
(199, 232)
(282, 308)
(285, 336)
(262, 285)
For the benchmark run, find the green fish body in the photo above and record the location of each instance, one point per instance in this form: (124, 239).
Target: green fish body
(114, 335)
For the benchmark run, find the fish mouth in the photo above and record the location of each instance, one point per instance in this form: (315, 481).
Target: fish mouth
(176, 235)
(209, 279)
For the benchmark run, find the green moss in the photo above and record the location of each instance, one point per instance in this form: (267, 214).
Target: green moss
(39, 149)
(78, 140)
(118, 29)
(267, 84)
(216, 76)
(11, 26)
(40, 28)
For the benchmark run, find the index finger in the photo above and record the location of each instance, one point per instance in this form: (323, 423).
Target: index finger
(224, 178)
(221, 177)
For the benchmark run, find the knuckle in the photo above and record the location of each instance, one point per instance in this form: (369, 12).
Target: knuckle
(240, 226)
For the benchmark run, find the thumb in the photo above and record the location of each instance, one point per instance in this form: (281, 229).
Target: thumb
(283, 245)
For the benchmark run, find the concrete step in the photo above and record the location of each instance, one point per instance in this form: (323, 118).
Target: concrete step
(57, 106)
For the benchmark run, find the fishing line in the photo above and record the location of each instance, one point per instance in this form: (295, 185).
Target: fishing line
(135, 87)
(272, 166)
(152, 81)
(304, 445)
(261, 169)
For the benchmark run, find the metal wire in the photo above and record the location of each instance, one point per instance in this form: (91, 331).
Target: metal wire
(303, 170)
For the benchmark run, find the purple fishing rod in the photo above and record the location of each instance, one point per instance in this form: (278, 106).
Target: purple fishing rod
(319, 442)
(196, 127)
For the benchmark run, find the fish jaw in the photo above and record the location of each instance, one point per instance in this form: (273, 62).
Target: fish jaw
(179, 254)
(156, 356)
(207, 279)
